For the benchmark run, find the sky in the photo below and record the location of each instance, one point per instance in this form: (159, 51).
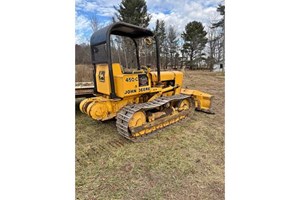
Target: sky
(175, 13)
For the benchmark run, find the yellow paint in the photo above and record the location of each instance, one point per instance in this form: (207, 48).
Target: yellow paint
(103, 85)
(164, 76)
(128, 91)
(102, 77)
(138, 119)
(161, 92)
(184, 105)
(126, 85)
(202, 100)
(159, 126)
(178, 81)
(100, 108)
(117, 69)
(83, 104)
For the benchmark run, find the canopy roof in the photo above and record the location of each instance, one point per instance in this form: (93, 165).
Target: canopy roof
(119, 28)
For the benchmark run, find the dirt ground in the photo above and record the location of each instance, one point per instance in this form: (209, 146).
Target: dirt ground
(183, 161)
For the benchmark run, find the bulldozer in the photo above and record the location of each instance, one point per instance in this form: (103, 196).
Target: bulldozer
(142, 101)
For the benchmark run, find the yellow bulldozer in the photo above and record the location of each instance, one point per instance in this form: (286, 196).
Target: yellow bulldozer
(142, 101)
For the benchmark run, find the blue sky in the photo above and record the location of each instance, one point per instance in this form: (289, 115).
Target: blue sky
(176, 13)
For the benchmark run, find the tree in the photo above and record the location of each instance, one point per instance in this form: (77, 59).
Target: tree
(221, 24)
(133, 12)
(94, 22)
(176, 60)
(214, 46)
(160, 32)
(194, 41)
(82, 54)
(172, 43)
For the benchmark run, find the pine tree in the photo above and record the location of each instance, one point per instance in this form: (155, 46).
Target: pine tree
(221, 23)
(194, 41)
(133, 12)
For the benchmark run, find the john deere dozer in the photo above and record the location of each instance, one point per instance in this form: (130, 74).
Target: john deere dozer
(142, 101)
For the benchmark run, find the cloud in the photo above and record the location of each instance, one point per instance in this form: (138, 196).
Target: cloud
(183, 13)
(81, 27)
(176, 13)
(98, 7)
(81, 22)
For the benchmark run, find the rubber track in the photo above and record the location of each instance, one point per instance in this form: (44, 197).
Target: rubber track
(124, 115)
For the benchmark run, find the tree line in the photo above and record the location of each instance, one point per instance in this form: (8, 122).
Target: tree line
(196, 47)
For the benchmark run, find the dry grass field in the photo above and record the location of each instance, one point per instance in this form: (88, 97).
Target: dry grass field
(83, 73)
(183, 161)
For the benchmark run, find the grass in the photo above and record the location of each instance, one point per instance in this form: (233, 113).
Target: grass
(183, 161)
(83, 73)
